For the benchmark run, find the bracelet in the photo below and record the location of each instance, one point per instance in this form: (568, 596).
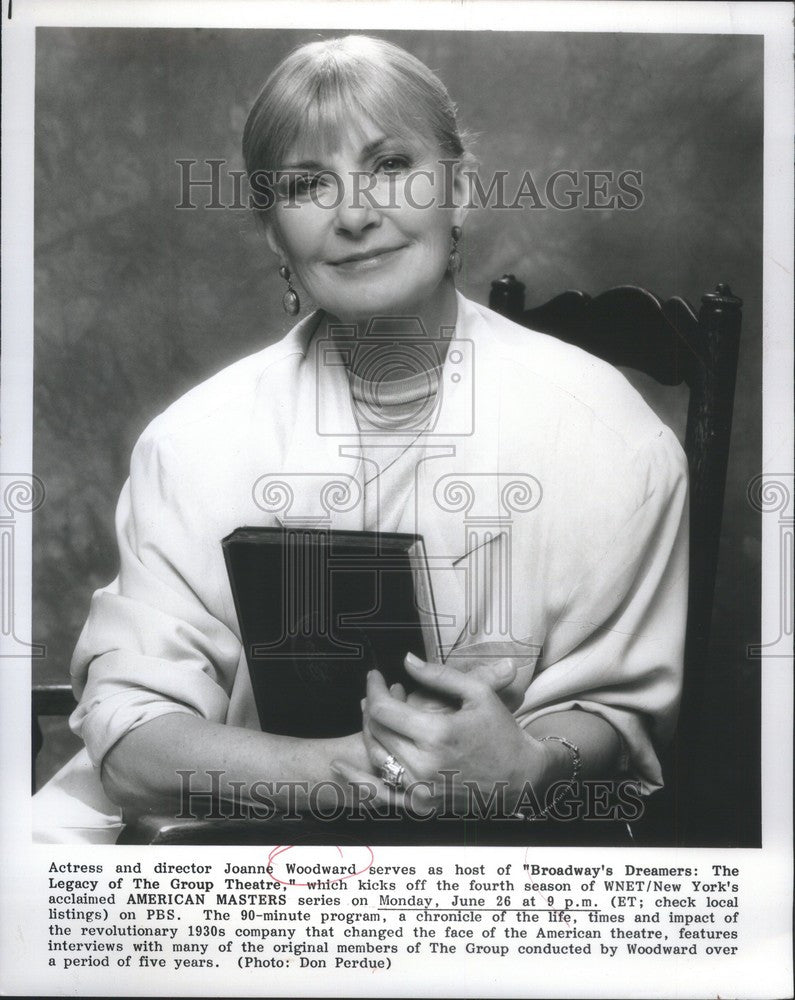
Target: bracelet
(576, 764)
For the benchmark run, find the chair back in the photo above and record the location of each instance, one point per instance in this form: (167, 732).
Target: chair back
(630, 327)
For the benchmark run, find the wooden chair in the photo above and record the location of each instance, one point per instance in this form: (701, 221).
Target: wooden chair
(47, 699)
(628, 327)
(631, 328)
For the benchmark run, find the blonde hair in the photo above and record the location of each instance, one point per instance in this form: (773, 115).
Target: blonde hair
(311, 95)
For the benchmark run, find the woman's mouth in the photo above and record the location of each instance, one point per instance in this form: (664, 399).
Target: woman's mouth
(367, 259)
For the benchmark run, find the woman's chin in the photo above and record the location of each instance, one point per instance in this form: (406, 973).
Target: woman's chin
(363, 304)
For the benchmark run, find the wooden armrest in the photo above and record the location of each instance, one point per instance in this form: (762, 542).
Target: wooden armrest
(53, 699)
(152, 828)
(47, 699)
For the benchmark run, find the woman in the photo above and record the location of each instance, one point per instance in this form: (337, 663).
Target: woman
(560, 582)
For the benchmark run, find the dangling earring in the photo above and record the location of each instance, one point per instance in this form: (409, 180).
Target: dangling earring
(290, 301)
(454, 260)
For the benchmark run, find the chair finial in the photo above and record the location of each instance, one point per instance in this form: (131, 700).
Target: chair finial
(722, 296)
(507, 296)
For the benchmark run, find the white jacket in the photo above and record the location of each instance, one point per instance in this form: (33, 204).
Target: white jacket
(541, 455)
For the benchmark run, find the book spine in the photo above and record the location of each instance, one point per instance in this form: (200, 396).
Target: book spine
(426, 608)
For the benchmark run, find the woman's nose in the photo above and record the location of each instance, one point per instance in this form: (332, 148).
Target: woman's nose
(357, 209)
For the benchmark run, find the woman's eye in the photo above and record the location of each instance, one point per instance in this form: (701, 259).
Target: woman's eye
(393, 164)
(302, 185)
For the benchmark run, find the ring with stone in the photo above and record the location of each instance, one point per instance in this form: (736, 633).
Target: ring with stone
(392, 772)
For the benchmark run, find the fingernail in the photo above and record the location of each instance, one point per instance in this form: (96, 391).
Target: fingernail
(415, 661)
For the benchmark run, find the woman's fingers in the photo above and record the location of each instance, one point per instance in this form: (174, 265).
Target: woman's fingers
(445, 679)
(375, 751)
(388, 741)
(380, 741)
(387, 712)
(365, 788)
(485, 662)
(498, 673)
(428, 702)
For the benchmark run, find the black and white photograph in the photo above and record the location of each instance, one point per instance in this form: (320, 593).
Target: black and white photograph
(320, 385)
(404, 484)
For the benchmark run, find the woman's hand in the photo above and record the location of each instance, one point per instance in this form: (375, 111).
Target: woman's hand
(498, 672)
(466, 730)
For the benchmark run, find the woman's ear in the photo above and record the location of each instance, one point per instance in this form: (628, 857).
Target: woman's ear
(273, 241)
(460, 192)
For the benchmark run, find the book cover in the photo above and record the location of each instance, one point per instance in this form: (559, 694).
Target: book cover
(317, 610)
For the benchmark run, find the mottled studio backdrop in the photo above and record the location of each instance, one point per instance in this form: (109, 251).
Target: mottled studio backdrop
(136, 301)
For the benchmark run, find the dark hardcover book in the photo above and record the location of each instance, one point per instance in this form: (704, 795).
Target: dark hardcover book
(317, 610)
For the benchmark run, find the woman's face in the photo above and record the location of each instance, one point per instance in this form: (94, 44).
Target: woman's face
(372, 235)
